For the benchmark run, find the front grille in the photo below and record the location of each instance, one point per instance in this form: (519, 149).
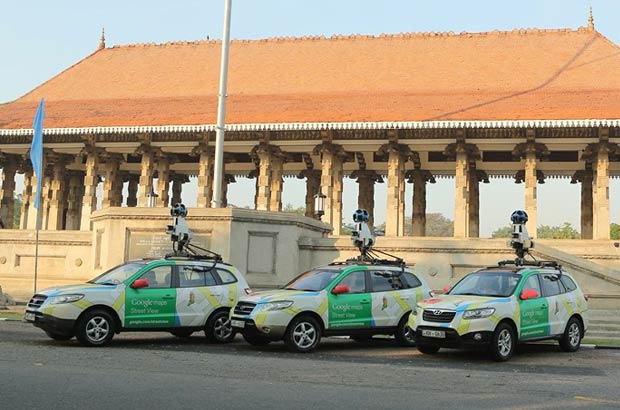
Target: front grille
(36, 301)
(438, 315)
(244, 308)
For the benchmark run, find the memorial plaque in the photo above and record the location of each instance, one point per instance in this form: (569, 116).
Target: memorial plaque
(157, 245)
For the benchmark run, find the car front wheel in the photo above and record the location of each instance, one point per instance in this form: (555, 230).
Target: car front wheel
(95, 328)
(404, 335)
(303, 334)
(571, 339)
(503, 343)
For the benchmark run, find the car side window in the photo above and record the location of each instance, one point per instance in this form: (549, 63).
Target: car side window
(193, 276)
(412, 280)
(159, 277)
(385, 281)
(550, 285)
(356, 281)
(226, 277)
(532, 282)
(568, 283)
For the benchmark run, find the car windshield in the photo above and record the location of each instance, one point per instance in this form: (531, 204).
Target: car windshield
(313, 280)
(487, 283)
(118, 274)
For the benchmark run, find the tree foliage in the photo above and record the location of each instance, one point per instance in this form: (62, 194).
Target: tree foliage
(16, 211)
(436, 225)
(291, 209)
(614, 231)
(564, 231)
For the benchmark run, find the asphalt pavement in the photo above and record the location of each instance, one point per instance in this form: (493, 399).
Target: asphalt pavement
(160, 371)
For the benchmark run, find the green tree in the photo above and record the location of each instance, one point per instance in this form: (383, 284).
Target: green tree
(291, 209)
(503, 232)
(16, 211)
(439, 225)
(614, 231)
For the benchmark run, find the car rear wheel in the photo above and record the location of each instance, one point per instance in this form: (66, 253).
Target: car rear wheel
(95, 328)
(404, 335)
(303, 334)
(571, 339)
(59, 336)
(182, 332)
(218, 328)
(503, 343)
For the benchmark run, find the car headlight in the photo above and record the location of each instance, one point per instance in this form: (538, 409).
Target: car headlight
(55, 300)
(279, 305)
(478, 313)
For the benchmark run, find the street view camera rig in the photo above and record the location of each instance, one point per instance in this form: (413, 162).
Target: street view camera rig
(521, 242)
(181, 235)
(363, 239)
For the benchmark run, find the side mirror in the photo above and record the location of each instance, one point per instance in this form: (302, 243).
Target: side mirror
(529, 294)
(139, 284)
(339, 289)
(446, 289)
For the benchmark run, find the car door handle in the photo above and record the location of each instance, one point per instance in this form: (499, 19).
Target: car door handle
(167, 297)
(364, 301)
(544, 305)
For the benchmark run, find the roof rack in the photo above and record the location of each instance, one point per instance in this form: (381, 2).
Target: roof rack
(370, 261)
(520, 262)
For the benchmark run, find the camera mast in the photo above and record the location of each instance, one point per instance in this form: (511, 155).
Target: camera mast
(181, 236)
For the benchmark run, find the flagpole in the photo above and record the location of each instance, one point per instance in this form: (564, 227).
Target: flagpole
(36, 246)
(36, 158)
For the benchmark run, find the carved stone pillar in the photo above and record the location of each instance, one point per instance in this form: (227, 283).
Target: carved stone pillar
(475, 177)
(7, 192)
(132, 190)
(395, 214)
(57, 194)
(113, 180)
(163, 182)
(600, 193)
(91, 179)
(26, 199)
(585, 177)
(313, 184)
(74, 198)
(366, 192)
(228, 179)
(276, 182)
(46, 187)
(205, 174)
(419, 178)
(463, 155)
(177, 187)
(263, 193)
(530, 152)
(332, 158)
(147, 166)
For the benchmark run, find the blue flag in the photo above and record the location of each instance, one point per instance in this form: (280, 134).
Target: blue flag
(36, 151)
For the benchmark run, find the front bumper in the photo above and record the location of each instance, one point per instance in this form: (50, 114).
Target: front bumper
(52, 324)
(471, 340)
(273, 332)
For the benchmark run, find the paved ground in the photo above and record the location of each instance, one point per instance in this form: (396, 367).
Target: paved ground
(158, 371)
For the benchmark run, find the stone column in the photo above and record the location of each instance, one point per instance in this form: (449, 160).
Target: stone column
(57, 195)
(7, 193)
(313, 184)
(531, 203)
(276, 182)
(461, 195)
(74, 198)
(205, 175)
(177, 188)
(332, 158)
(601, 193)
(163, 182)
(46, 187)
(366, 192)
(91, 179)
(147, 166)
(585, 177)
(263, 193)
(111, 182)
(419, 178)
(228, 179)
(132, 190)
(395, 215)
(26, 198)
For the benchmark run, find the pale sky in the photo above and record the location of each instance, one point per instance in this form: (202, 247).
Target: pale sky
(41, 38)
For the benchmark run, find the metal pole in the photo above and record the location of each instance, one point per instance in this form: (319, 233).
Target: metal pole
(221, 111)
(37, 226)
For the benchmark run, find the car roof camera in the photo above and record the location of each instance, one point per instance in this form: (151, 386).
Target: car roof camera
(181, 237)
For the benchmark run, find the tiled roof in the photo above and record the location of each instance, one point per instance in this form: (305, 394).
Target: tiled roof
(520, 74)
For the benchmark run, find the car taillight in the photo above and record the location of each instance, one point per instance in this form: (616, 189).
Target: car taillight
(247, 291)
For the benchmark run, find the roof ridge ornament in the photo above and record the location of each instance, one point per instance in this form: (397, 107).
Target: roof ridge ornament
(590, 20)
(102, 39)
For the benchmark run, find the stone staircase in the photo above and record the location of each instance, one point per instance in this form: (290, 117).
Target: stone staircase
(604, 324)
